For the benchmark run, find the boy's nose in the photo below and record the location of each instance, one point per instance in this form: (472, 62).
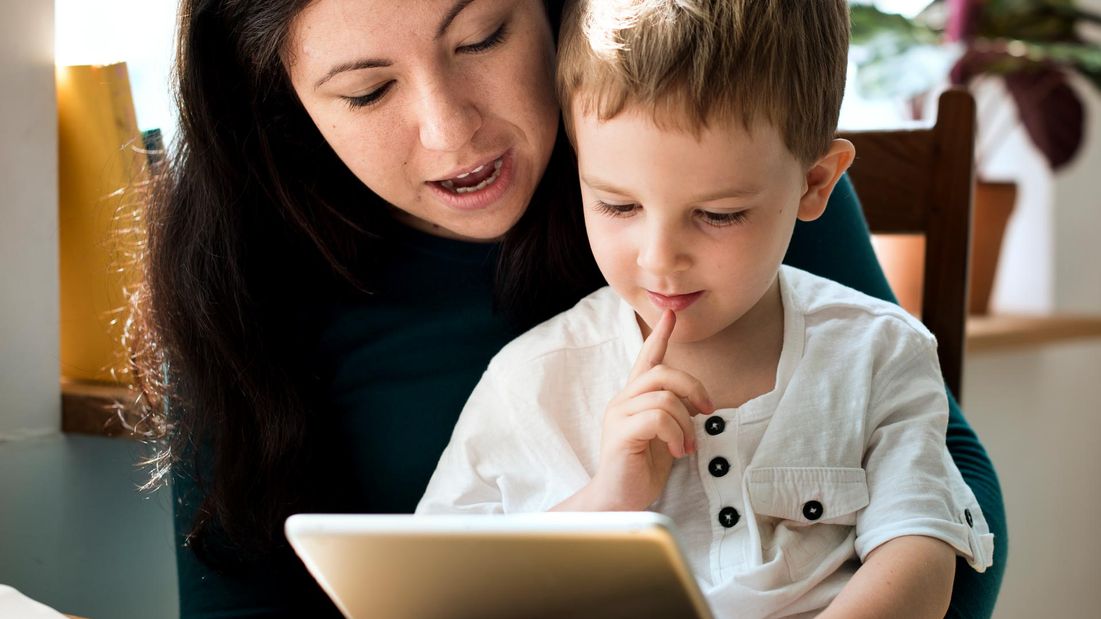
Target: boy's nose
(661, 253)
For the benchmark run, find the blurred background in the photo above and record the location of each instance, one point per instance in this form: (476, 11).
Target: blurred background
(85, 112)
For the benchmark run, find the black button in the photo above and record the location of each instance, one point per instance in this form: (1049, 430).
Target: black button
(714, 425)
(728, 517)
(968, 518)
(812, 510)
(718, 467)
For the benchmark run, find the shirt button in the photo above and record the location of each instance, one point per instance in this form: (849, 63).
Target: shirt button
(718, 467)
(715, 425)
(728, 517)
(967, 516)
(812, 510)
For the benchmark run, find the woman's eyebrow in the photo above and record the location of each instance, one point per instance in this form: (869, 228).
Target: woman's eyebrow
(355, 65)
(451, 15)
(374, 63)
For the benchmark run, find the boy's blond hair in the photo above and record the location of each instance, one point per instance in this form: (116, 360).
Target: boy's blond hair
(690, 62)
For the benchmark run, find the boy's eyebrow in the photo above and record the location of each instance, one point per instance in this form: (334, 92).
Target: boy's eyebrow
(729, 192)
(374, 63)
(721, 194)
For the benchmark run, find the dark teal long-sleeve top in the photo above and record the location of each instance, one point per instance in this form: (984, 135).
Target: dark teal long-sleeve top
(399, 367)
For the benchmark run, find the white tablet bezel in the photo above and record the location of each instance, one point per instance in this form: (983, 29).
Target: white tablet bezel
(336, 546)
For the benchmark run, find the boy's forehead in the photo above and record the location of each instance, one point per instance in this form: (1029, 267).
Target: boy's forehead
(734, 128)
(632, 153)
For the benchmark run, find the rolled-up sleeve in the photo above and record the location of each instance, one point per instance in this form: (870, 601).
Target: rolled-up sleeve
(914, 486)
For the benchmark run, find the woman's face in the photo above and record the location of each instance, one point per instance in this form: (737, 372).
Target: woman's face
(444, 108)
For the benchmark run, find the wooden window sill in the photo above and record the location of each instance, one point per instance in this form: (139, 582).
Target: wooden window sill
(1007, 332)
(93, 408)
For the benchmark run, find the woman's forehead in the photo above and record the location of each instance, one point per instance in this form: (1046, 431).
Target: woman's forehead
(387, 20)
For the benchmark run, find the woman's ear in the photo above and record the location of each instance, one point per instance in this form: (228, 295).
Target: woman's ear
(821, 177)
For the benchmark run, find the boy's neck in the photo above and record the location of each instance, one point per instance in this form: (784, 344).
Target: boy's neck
(738, 363)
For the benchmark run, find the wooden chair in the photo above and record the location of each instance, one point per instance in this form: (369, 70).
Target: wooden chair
(921, 181)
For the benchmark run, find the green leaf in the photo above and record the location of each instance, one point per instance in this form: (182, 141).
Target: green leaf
(869, 23)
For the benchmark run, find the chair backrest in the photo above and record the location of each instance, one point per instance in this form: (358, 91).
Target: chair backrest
(921, 181)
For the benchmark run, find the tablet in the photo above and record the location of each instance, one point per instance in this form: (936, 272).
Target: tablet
(526, 566)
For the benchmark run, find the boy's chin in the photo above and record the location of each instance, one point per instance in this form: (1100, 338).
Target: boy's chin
(686, 331)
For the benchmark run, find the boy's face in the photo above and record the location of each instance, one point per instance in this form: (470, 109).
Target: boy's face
(699, 226)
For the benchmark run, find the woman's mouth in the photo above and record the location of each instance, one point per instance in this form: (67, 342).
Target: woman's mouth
(675, 302)
(475, 180)
(478, 187)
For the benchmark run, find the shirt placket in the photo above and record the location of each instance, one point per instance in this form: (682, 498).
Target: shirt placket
(721, 466)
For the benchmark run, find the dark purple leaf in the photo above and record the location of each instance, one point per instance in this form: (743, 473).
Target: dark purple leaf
(963, 18)
(970, 65)
(1051, 112)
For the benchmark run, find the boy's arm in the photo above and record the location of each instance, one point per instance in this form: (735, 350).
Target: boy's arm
(908, 576)
(838, 246)
(921, 513)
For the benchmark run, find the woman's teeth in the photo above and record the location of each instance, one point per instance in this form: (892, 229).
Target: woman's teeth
(450, 184)
(474, 171)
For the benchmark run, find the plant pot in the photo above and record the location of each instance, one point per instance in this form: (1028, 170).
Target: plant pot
(993, 205)
(902, 256)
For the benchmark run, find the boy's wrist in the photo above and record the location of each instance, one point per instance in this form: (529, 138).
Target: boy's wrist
(592, 498)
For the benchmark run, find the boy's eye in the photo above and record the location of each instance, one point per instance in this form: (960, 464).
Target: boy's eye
(368, 99)
(722, 219)
(615, 210)
(488, 43)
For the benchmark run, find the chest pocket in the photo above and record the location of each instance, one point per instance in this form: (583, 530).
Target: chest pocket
(806, 514)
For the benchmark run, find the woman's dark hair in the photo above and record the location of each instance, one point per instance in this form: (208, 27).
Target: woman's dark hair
(252, 218)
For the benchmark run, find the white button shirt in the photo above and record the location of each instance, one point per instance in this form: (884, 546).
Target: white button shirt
(845, 453)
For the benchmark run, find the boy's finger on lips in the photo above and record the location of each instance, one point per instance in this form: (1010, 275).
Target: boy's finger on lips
(653, 349)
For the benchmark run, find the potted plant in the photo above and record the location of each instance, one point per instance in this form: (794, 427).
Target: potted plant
(1031, 45)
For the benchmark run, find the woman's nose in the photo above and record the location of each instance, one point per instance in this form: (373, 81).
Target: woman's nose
(449, 117)
(660, 252)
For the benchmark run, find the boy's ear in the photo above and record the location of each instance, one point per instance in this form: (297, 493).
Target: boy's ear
(822, 176)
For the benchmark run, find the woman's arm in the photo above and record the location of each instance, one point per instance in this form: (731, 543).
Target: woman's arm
(838, 246)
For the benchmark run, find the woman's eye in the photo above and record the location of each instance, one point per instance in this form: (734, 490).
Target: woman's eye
(368, 99)
(616, 210)
(722, 219)
(490, 42)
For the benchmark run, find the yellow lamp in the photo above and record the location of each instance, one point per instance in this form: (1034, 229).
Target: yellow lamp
(102, 172)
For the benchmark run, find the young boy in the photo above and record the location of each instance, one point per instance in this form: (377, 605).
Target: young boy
(792, 428)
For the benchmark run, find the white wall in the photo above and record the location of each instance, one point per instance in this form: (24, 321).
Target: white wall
(1025, 281)
(1036, 411)
(29, 395)
(1078, 207)
(1051, 252)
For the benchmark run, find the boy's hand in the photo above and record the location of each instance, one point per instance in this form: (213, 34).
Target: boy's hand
(646, 426)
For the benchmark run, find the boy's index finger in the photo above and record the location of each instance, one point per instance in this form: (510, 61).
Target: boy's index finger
(653, 349)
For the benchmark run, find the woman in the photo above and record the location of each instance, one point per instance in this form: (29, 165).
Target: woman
(355, 221)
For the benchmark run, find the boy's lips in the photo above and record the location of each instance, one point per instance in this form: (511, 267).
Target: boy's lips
(675, 302)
